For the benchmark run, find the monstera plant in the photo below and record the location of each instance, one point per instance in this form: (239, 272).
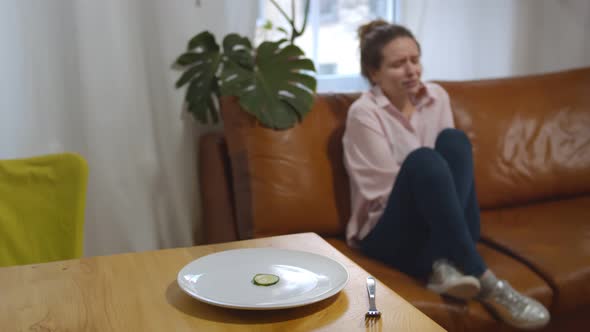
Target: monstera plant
(273, 81)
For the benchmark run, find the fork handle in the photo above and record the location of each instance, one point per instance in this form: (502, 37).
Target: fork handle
(371, 291)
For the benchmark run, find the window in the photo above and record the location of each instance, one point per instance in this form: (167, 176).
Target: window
(377, 7)
(328, 11)
(330, 39)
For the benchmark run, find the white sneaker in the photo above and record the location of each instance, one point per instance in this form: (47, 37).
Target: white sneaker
(446, 279)
(514, 308)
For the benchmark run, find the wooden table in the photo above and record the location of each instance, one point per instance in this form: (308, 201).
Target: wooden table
(138, 292)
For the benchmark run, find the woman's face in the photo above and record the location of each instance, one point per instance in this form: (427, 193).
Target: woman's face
(400, 69)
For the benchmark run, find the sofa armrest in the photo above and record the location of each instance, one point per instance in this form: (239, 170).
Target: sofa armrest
(218, 212)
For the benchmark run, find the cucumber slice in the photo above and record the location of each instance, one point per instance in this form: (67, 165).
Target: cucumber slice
(263, 279)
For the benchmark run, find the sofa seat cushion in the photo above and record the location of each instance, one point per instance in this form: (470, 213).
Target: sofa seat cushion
(554, 239)
(451, 314)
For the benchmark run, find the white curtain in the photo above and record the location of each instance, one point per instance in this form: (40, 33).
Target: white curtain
(95, 77)
(466, 39)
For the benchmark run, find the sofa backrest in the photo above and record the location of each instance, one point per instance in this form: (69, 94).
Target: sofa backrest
(531, 135)
(531, 140)
(288, 181)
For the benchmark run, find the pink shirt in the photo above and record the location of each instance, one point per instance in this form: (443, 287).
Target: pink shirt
(376, 141)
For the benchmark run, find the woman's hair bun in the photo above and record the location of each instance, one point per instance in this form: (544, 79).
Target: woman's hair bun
(365, 29)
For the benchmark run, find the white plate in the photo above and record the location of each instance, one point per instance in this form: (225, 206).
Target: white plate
(225, 278)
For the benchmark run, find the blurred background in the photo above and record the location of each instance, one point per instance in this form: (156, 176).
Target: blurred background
(95, 77)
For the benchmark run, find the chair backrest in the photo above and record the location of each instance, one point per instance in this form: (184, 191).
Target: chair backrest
(42, 202)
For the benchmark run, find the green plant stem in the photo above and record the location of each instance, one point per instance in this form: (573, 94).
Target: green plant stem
(291, 20)
(304, 18)
(293, 12)
(283, 13)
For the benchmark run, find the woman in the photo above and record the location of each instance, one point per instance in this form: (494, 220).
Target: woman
(414, 204)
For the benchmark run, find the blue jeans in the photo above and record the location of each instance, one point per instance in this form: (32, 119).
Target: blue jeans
(432, 211)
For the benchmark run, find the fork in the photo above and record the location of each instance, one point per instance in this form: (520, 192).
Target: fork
(372, 312)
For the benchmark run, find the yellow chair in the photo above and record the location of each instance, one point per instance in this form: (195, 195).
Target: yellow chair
(42, 202)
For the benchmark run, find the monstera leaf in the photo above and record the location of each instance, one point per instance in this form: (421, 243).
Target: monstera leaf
(201, 63)
(277, 90)
(271, 82)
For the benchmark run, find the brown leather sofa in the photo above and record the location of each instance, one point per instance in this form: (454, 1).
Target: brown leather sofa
(531, 141)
